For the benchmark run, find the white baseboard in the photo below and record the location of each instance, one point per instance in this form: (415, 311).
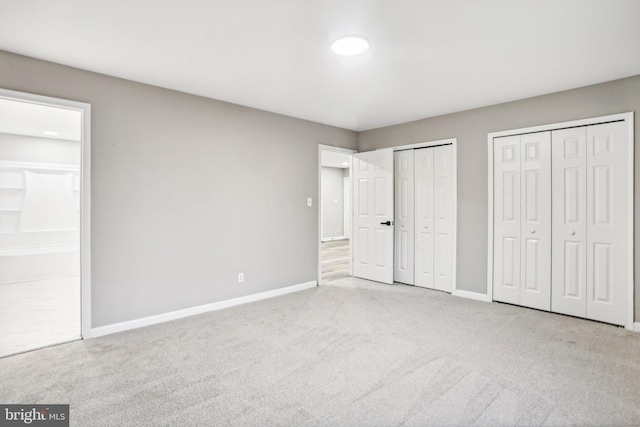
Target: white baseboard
(471, 295)
(636, 327)
(330, 239)
(179, 314)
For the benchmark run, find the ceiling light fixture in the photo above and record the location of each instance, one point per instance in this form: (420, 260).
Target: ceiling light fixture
(50, 132)
(351, 45)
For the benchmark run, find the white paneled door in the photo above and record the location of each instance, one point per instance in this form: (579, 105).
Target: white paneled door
(434, 214)
(569, 218)
(607, 218)
(522, 220)
(590, 214)
(506, 211)
(443, 216)
(373, 215)
(562, 220)
(425, 223)
(535, 213)
(404, 214)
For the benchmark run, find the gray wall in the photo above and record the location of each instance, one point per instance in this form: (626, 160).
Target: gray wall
(332, 202)
(187, 192)
(471, 128)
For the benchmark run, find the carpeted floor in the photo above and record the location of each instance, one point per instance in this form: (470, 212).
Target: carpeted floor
(348, 353)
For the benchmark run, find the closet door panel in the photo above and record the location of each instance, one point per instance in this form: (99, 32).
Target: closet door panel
(404, 217)
(424, 218)
(535, 194)
(607, 219)
(506, 214)
(569, 219)
(443, 217)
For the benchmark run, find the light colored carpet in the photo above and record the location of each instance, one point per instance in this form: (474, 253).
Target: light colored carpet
(349, 353)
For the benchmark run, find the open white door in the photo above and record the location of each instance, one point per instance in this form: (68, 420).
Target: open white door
(373, 215)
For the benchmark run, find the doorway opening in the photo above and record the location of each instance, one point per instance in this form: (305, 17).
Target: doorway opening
(44, 221)
(334, 213)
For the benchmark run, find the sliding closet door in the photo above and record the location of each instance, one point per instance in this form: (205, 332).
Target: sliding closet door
(607, 218)
(404, 214)
(424, 218)
(506, 213)
(569, 283)
(535, 202)
(443, 217)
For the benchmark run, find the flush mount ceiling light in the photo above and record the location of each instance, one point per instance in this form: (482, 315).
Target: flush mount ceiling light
(351, 45)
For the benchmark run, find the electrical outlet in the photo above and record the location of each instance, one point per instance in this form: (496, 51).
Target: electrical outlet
(309, 201)
(240, 277)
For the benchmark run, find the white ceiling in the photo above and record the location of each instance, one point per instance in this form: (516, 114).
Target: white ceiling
(427, 57)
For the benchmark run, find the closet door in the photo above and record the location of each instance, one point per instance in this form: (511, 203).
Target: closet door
(443, 217)
(506, 214)
(404, 214)
(607, 218)
(569, 218)
(424, 218)
(535, 203)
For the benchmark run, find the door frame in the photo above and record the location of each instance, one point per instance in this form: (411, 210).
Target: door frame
(628, 119)
(85, 193)
(321, 148)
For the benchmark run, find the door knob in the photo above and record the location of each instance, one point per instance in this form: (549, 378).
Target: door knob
(573, 233)
(386, 223)
(533, 231)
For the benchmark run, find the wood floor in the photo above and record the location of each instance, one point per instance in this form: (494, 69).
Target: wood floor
(39, 313)
(335, 260)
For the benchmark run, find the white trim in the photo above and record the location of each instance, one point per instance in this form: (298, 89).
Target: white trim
(85, 195)
(39, 166)
(424, 144)
(490, 218)
(629, 119)
(471, 295)
(330, 239)
(563, 125)
(321, 148)
(179, 314)
(636, 327)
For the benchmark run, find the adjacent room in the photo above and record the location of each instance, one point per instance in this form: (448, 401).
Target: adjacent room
(330, 213)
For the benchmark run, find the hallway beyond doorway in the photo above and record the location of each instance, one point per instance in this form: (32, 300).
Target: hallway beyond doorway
(335, 260)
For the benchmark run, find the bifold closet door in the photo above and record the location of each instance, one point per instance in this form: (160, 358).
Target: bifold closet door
(522, 220)
(569, 247)
(404, 214)
(590, 213)
(434, 217)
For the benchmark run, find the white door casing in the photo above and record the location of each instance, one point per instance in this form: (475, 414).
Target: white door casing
(569, 219)
(373, 209)
(404, 216)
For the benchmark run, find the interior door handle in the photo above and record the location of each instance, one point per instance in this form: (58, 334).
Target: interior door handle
(386, 223)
